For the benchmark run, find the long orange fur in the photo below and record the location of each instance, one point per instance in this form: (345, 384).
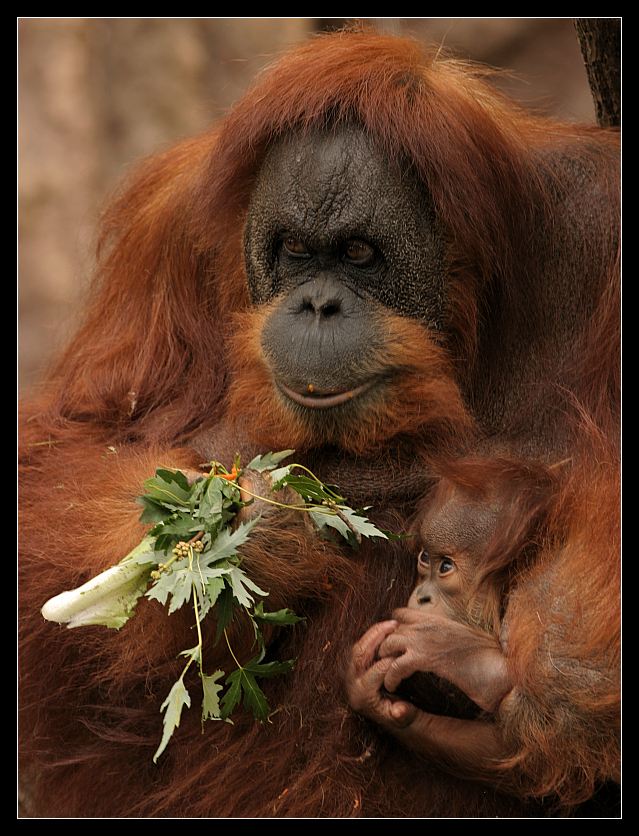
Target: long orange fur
(169, 347)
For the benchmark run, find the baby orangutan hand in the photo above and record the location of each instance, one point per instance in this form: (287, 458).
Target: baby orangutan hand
(469, 658)
(470, 748)
(365, 679)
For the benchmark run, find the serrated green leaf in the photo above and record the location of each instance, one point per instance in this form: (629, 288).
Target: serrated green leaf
(227, 543)
(167, 491)
(278, 477)
(197, 491)
(241, 584)
(192, 653)
(144, 552)
(176, 700)
(224, 612)
(181, 526)
(268, 461)
(153, 511)
(233, 695)
(212, 501)
(164, 586)
(176, 476)
(243, 685)
(185, 582)
(281, 617)
(254, 698)
(212, 590)
(211, 699)
(307, 488)
(266, 670)
(178, 584)
(362, 525)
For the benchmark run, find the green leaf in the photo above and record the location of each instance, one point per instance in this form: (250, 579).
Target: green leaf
(267, 670)
(212, 501)
(281, 617)
(212, 590)
(232, 697)
(279, 476)
(307, 487)
(227, 543)
(181, 526)
(268, 461)
(176, 476)
(243, 684)
(193, 653)
(153, 511)
(254, 698)
(185, 581)
(165, 490)
(241, 584)
(211, 700)
(362, 525)
(144, 552)
(224, 612)
(178, 584)
(177, 698)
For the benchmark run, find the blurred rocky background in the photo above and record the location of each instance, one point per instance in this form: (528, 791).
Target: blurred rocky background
(97, 94)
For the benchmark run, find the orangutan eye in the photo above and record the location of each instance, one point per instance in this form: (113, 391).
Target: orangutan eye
(446, 566)
(358, 252)
(423, 559)
(295, 246)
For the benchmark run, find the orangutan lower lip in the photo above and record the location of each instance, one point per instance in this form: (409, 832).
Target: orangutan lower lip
(316, 399)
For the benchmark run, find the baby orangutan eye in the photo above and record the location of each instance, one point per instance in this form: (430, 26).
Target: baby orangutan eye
(423, 559)
(446, 566)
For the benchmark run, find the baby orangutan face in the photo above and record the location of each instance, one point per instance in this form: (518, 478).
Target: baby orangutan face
(453, 536)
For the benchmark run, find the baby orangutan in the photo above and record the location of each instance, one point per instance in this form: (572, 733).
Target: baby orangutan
(443, 653)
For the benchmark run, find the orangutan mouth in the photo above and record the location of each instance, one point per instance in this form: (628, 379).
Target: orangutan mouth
(324, 399)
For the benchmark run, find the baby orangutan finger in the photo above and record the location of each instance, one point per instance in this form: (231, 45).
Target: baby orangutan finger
(363, 690)
(364, 650)
(393, 644)
(400, 668)
(402, 713)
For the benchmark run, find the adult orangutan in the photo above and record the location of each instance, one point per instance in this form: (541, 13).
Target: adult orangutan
(379, 261)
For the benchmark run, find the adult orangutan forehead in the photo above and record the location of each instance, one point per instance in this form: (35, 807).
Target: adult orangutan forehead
(326, 187)
(331, 184)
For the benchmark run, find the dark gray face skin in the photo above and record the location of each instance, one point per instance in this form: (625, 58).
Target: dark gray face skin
(323, 192)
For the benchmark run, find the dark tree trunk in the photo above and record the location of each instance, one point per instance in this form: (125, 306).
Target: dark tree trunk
(600, 40)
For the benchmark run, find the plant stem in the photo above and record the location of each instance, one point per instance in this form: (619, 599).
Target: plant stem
(317, 479)
(195, 609)
(344, 519)
(279, 504)
(171, 560)
(241, 667)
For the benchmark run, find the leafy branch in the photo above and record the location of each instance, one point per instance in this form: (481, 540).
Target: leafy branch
(197, 523)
